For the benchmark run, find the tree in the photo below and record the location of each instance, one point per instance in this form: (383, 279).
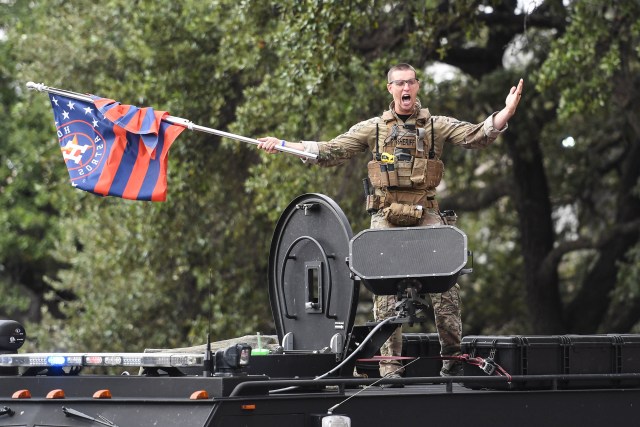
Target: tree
(28, 227)
(157, 273)
(594, 68)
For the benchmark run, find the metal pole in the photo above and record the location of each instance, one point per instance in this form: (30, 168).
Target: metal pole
(174, 120)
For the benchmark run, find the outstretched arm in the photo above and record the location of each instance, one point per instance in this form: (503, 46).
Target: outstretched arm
(510, 104)
(269, 143)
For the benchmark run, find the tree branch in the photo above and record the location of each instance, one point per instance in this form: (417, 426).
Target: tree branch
(473, 200)
(553, 258)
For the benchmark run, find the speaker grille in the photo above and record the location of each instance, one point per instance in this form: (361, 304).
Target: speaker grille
(410, 252)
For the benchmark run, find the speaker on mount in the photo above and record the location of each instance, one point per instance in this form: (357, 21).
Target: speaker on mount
(384, 259)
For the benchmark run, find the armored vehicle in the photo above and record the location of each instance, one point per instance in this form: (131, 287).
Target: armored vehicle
(321, 368)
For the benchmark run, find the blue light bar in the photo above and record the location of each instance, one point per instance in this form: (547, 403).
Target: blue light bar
(56, 361)
(102, 359)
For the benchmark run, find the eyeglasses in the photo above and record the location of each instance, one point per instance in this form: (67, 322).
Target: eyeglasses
(401, 83)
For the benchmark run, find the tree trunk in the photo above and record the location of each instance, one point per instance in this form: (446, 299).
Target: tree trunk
(601, 280)
(531, 198)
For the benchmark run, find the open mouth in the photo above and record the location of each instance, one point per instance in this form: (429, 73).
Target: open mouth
(406, 100)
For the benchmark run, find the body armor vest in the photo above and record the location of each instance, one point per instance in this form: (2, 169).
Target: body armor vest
(405, 159)
(404, 169)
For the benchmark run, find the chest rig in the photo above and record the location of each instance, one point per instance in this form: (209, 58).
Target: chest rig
(406, 160)
(405, 167)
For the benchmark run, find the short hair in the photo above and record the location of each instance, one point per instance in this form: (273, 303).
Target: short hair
(400, 67)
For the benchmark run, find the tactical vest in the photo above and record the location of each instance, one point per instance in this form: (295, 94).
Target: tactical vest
(405, 166)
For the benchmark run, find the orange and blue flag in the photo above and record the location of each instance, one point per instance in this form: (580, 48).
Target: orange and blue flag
(112, 149)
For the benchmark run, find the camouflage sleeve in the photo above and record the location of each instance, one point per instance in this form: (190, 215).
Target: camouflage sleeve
(341, 148)
(466, 134)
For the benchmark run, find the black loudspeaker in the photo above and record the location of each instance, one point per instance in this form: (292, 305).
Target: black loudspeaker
(12, 336)
(385, 258)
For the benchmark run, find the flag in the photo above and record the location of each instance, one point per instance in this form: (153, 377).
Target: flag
(112, 149)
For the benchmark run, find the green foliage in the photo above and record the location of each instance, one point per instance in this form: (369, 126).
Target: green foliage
(492, 296)
(32, 192)
(595, 48)
(593, 70)
(87, 272)
(145, 272)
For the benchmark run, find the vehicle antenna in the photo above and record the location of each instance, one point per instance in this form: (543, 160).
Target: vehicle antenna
(208, 359)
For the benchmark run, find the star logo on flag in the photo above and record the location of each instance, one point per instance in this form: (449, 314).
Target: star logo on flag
(112, 149)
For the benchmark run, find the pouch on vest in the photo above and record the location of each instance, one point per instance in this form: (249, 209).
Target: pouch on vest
(403, 215)
(413, 197)
(403, 169)
(374, 203)
(392, 174)
(373, 169)
(435, 171)
(378, 174)
(419, 171)
(384, 175)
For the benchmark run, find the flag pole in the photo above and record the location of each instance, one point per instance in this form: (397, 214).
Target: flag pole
(174, 120)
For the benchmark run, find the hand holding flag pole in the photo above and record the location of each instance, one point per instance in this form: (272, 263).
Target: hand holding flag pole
(173, 120)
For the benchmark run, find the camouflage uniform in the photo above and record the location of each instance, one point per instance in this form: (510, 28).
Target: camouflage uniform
(446, 307)
(373, 135)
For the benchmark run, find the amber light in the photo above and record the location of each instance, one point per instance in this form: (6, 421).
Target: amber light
(249, 407)
(56, 394)
(199, 395)
(21, 394)
(102, 394)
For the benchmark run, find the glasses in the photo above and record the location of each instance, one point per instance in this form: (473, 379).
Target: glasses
(401, 83)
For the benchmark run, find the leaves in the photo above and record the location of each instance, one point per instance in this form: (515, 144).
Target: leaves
(583, 62)
(107, 273)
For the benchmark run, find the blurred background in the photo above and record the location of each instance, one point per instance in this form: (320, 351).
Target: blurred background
(551, 210)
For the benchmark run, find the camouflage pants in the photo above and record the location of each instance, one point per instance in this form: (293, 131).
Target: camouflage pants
(446, 307)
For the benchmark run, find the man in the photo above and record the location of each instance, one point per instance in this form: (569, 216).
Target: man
(406, 143)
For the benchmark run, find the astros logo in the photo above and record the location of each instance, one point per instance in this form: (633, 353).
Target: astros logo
(82, 146)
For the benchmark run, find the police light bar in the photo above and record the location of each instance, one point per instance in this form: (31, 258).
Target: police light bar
(162, 360)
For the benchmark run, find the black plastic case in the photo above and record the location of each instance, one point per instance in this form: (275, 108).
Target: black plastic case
(555, 355)
(427, 348)
(424, 346)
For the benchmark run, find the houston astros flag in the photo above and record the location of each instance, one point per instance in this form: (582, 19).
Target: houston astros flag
(112, 149)
(121, 150)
